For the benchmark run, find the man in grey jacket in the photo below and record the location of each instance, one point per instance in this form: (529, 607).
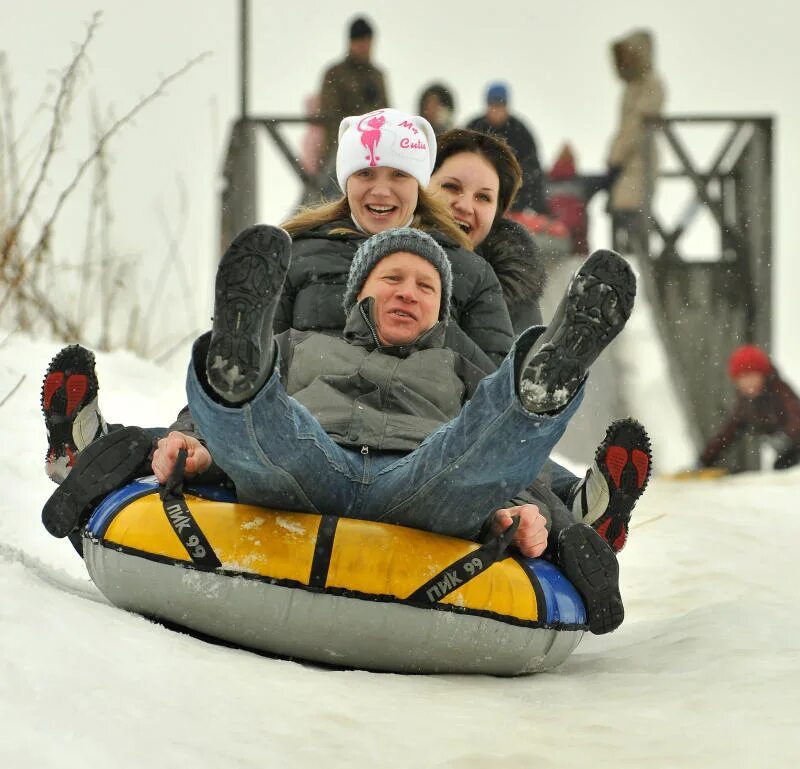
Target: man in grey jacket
(385, 423)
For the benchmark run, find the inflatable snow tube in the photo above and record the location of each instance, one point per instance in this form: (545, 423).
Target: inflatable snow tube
(333, 590)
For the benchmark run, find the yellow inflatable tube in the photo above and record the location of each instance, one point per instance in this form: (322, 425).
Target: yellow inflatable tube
(333, 590)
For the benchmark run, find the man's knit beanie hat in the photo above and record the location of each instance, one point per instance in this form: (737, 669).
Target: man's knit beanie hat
(371, 251)
(746, 358)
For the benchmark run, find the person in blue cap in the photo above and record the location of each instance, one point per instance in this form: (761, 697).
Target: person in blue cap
(498, 121)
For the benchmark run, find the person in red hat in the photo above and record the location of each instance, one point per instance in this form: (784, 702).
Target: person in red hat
(765, 405)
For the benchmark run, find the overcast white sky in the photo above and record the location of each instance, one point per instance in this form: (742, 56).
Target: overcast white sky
(716, 57)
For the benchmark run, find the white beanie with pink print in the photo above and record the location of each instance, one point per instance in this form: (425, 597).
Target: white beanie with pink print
(386, 138)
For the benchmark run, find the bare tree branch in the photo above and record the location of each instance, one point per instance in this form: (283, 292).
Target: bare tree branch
(62, 100)
(13, 390)
(34, 289)
(101, 143)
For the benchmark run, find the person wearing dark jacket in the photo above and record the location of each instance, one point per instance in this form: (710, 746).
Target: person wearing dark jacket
(498, 121)
(383, 166)
(765, 405)
(351, 87)
(384, 422)
(437, 105)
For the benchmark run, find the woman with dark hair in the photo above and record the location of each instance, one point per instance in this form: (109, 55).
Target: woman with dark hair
(478, 176)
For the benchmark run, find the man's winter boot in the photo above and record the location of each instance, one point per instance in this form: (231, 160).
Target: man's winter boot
(591, 566)
(608, 492)
(102, 467)
(595, 308)
(69, 404)
(248, 287)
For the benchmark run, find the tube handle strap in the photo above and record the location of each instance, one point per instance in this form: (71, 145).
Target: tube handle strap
(465, 568)
(182, 521)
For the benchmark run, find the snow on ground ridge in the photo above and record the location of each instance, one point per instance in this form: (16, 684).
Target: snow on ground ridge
(703, 673)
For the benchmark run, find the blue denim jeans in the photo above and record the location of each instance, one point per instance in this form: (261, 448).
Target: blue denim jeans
(278, 455)
(562, 480)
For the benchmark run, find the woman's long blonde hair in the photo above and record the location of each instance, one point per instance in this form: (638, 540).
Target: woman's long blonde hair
(430, 214)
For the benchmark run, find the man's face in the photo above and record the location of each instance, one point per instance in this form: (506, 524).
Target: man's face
(361, 49)
(750, 384)
(497, 114)
(407, 290)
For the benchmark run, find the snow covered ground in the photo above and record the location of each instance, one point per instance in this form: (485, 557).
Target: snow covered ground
(705, 671)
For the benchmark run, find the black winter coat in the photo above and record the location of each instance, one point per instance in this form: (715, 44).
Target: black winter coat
(314, 289)
(517, 262)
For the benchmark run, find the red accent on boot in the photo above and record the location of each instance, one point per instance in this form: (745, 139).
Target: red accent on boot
(641, 462)
(616, 459)
(619, 541)
(602, 529)
(77, 385)
(51, 386)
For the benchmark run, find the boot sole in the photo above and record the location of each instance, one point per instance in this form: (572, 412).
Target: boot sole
(591, 566)
(599, 302)
(102, 467)
(249, 283)
(69, 384)
(625, 459)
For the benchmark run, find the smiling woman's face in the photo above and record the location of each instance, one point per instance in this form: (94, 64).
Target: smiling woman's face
(470, 186)
(407, 290)
(382, 198)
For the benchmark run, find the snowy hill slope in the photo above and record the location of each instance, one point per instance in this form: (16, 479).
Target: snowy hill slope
(705, 671)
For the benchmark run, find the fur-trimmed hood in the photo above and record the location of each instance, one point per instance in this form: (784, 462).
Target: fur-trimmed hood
(516, 260)
(633, 54)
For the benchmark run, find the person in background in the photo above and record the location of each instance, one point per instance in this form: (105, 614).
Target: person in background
(437, 106)
(351, 87)
(313, 138)
(567, 199)
(498, 121)
(310, 157)
(643, 97)
(765, 405)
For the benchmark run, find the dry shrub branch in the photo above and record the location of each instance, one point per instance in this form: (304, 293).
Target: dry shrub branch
(37, 293)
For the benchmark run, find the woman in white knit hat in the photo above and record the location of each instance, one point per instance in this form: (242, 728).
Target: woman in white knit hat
(383, 166)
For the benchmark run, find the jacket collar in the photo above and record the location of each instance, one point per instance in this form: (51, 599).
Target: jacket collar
(361, 330)
(352, 232)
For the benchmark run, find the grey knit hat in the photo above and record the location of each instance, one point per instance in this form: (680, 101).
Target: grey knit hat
(371, 251)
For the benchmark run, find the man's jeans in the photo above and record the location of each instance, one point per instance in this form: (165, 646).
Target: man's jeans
(278, 455)
(562, 481)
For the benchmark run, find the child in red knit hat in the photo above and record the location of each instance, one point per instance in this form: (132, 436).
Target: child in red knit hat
(765, 405)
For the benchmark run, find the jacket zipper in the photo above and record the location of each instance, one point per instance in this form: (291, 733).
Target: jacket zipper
(369, 325)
